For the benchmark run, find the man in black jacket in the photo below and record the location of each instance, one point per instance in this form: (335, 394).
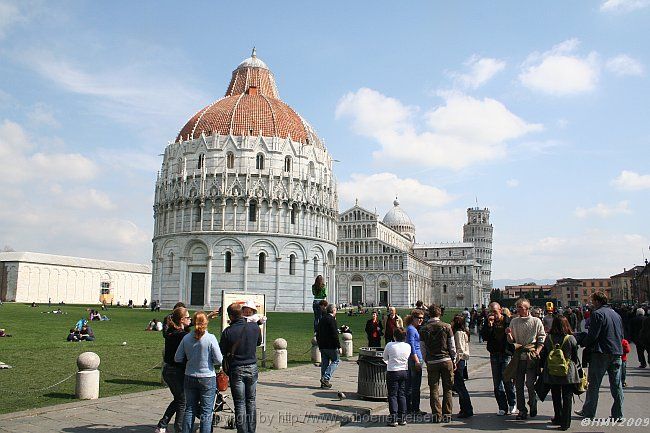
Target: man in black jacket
(327, 335)
(239, 343)
(605, 339)
(494, 334)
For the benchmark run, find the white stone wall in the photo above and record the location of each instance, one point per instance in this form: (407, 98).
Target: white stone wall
(34, 282)
(230, 203)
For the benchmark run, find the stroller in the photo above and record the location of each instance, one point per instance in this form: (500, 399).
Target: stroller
(221, 405)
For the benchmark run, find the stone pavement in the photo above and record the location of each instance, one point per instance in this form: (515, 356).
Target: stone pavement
(635, 409)
(291, 400)
(287, 400)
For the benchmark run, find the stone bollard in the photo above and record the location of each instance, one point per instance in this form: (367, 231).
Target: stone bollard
(87, 387)
(280, 357)
(348, 347)
(315, 352)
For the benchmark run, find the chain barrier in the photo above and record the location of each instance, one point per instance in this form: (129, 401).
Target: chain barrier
(32, 391)
(131, 375)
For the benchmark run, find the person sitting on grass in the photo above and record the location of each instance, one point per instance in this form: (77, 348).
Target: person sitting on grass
(73, 335)
(3, 333)
(86, 333)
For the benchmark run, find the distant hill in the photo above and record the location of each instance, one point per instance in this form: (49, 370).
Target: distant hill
(500, 284)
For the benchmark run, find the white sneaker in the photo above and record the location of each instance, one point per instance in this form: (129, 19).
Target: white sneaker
(160, 430)
(501, 412)
(512, 410)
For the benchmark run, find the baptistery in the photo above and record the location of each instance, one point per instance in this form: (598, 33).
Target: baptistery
(245, 201)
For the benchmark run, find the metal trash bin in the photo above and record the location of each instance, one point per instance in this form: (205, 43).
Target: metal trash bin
(371, 383)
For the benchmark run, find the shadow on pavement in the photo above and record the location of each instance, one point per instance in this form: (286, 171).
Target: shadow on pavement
(104, 428)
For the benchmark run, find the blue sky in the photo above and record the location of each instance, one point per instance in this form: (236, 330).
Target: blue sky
(537, 110)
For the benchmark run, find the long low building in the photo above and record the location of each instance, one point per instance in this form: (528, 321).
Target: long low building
(36, 277)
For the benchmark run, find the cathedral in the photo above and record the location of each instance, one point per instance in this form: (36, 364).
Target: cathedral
(379, 262)
(246, 202)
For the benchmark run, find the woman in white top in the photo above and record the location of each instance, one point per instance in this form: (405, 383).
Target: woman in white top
(396, 356)
(461, 339)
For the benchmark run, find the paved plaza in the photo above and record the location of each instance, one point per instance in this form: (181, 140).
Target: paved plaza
(290, 400)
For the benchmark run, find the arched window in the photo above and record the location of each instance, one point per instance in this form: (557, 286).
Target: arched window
(259, 161)
(252, 212)
(197, 213)
(444, 288)
(180, 165)
(171, 263)
(316, 266)
(261, 266)
(287, 164)
(228, 261)
(230, 160)
(293, 214)
(199, 165)
(312, 170)
(292, 264)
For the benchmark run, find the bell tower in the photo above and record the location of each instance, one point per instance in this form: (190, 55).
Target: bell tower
(478, 231)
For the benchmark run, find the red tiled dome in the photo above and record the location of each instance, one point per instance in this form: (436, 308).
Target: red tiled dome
(251, 107)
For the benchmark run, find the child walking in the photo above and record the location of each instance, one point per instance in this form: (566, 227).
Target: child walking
(396, 356)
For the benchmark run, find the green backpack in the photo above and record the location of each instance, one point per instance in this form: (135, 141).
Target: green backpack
(557, 363)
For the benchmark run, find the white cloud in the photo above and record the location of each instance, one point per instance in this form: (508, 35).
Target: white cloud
(623, 65)
(15, 146)
(560, 71)
(630, 180)
(623, 5)
(84, 198)
(462, 132)
(378, 190)
(603, 211)
(138, 95)
(481, 70)
(9, 15)
(512, 183)
(41, 114)
(589, 254)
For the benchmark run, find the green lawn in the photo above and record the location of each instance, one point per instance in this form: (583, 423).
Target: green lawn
(41, 357)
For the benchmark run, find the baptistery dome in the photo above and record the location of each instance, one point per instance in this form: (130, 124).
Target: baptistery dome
(245, 201)
(251, 106)
(399, 221)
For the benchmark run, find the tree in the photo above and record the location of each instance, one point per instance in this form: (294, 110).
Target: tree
(496, 295)
(7, 249)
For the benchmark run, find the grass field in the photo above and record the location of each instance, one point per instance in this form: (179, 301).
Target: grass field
(41, 357)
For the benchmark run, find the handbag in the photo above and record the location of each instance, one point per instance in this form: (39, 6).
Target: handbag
(222, 381)
(581, 387)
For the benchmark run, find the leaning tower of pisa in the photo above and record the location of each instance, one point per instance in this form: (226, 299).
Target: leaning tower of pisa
(478, 231)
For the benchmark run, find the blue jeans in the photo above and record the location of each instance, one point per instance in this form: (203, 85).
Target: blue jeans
(504, 392)
(318, 313)
(243, 382)
(174, 378)
(600, 364)
(199, 401)
(329, 362)
(413, 385)
(463, 395)
(396, 384)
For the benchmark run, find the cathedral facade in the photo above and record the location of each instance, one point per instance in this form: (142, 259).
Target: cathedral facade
(245, 201)
(379, 262)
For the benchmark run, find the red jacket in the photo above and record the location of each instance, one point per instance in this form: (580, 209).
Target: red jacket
(626, 349)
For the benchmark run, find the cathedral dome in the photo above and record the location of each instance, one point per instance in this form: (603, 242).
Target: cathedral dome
(399, 221)
(251, 106)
